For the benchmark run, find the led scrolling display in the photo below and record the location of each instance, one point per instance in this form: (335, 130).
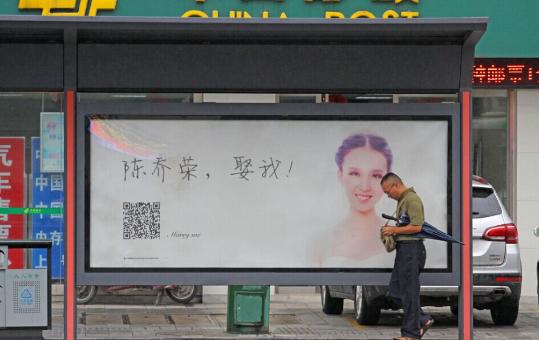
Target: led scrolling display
(506, 73)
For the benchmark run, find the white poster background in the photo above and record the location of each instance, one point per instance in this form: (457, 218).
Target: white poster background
(219, 220)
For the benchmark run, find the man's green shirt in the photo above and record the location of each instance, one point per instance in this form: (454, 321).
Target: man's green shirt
(410, 203)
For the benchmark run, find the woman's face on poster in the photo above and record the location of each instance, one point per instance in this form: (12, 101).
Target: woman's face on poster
(362, 170)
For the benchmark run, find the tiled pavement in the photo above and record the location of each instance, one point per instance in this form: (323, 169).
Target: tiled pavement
(291, 316)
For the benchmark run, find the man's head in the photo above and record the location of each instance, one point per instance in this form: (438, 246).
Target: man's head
(392, 185)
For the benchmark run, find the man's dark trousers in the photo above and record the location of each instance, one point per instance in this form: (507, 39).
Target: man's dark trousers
(404, 285)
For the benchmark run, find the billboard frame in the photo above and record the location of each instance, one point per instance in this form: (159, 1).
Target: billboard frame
(276, 276)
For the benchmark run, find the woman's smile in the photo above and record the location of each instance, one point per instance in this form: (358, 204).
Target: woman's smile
(363, 197)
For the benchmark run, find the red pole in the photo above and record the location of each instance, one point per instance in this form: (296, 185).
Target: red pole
(70, 318)
(466, 282)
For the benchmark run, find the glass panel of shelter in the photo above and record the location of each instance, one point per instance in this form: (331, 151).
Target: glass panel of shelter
(32, 176)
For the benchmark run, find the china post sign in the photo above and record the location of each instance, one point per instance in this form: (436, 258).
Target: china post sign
(47, 192)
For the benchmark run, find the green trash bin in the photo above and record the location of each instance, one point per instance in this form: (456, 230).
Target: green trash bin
(248, 309)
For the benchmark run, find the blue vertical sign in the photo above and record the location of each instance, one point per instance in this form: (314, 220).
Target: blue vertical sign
(47, 192)
(52, 142)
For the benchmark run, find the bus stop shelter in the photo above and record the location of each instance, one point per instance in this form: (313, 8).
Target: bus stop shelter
(130, 55)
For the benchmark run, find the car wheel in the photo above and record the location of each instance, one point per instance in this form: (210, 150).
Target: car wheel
(330, 305)
(505, 312)
(181, 293)
(454, 310)
(85, 294)
(365, 313)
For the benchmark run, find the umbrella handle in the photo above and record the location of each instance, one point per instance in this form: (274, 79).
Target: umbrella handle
(387, 217)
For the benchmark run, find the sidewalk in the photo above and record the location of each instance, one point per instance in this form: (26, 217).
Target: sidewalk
(292, 316)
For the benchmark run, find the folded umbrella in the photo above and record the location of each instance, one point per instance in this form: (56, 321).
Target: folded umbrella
(427, 229)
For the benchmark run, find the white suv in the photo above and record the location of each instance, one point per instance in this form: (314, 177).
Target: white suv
(497, 271)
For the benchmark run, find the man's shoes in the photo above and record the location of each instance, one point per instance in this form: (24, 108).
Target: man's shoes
(422, 331)
(426, 327)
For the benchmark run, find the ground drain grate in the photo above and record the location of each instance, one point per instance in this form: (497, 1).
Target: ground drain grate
(112, 328)
(300, 330)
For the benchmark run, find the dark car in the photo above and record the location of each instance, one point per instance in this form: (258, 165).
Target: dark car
(497, 271)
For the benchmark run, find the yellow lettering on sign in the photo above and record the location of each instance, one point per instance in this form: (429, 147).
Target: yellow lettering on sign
(334, 15)
(239, 15)
(47, 6)
(399, 1)
(66, 4)
(231, 14)
(409, 14)
(390, 14)
(99, 5)
(80, 13)
(194, 14)
(362, 14)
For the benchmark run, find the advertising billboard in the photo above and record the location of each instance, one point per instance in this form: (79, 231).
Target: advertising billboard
(268, 193)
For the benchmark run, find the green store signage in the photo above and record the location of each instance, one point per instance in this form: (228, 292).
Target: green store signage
(31, 211)
(512, 30)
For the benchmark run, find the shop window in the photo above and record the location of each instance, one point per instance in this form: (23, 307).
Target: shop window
(32, 175)
(490, 113)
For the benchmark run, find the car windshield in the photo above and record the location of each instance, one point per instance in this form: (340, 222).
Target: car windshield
(484, 203)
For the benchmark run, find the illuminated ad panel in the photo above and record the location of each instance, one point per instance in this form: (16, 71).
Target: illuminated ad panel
(169, 192)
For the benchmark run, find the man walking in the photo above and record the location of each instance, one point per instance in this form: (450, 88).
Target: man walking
(410, 258)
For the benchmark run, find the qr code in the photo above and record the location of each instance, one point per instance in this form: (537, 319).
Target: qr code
(142, 220)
